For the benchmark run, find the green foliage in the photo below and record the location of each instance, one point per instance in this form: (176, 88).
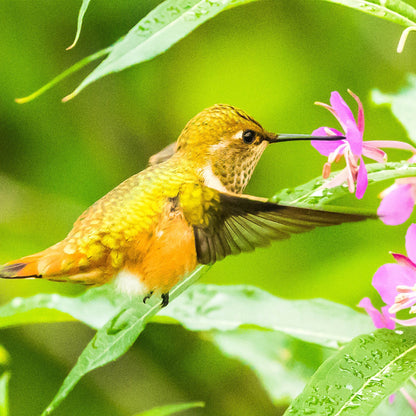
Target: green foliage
(115, 338)
(358, 377)
(282, 341)
(170, 409)
(225, 308)
(201, 308)
(155, 33)
(172, 20)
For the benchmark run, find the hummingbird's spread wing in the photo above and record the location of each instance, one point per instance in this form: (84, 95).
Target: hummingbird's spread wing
(244, 222)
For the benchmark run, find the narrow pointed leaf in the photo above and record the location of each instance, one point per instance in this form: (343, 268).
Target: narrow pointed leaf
(224, 308)
(115, 338)
(74, 68)
(396, 11)
(170, 409)
(165, 25)
(355, 380)
(81, 14)
(314, 194)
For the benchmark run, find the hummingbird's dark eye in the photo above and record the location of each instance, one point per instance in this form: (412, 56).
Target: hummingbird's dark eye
(249, 136)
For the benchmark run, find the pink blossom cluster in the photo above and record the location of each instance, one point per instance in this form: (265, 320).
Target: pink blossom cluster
(395, 282)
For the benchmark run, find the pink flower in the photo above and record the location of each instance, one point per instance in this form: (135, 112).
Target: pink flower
(396, 282)
(397, 201)
(381, 319)
(353, 148)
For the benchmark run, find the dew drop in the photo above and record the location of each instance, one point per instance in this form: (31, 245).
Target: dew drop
(16, 302)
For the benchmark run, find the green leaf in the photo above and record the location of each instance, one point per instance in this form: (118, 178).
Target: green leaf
(115, 338)
(313, 193)
(4, 394)
(396, 11)
(225, 308)
(355, 380)
(403, 105)
(165, 25)
(170, 409)
(283, 364)
(95, 307)
(81, 14)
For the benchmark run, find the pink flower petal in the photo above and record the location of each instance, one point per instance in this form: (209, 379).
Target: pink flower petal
(392, 144)
(395, 208)
(406, 322)
(403, 260)
(381, 319)
(354, 137)
(388, 277)
(374, 153)
(325, 148)
(343, 112)
(360, 117)
(362, 180)
(411, 243)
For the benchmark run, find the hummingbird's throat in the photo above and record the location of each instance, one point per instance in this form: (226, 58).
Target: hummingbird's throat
(232, 170)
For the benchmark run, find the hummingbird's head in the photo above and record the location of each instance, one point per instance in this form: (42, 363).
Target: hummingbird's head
(226, 143)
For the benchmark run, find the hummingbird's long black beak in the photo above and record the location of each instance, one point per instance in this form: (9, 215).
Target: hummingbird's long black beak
(277, 138)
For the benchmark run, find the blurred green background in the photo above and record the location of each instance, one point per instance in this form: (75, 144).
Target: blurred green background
(271, 58)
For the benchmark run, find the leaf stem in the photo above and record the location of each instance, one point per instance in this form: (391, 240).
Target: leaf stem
(66, 73)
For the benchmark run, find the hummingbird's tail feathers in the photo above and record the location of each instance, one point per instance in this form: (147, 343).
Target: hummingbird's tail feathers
(246, 222)
(18, 270)
(56, 265)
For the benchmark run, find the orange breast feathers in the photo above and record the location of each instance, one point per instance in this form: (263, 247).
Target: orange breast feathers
(165, 256)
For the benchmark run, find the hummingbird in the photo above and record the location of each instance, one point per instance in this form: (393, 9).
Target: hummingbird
(186, 208)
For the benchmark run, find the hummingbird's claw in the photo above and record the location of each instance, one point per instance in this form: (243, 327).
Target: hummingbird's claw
(147, 297)
(165, 299)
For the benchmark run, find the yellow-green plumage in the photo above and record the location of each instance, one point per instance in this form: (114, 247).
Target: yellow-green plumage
(184, 209)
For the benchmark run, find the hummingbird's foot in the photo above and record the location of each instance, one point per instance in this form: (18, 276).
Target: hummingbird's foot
(165, 299)
(147, 297)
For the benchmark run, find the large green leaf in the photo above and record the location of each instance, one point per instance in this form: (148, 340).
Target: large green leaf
(95, 308)
(314, 193)
(355, 380)
(115, 338)
(202, 308)
(170, 409)
(403, 105)
(165, 25)
(283, 364)
(225, 308)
